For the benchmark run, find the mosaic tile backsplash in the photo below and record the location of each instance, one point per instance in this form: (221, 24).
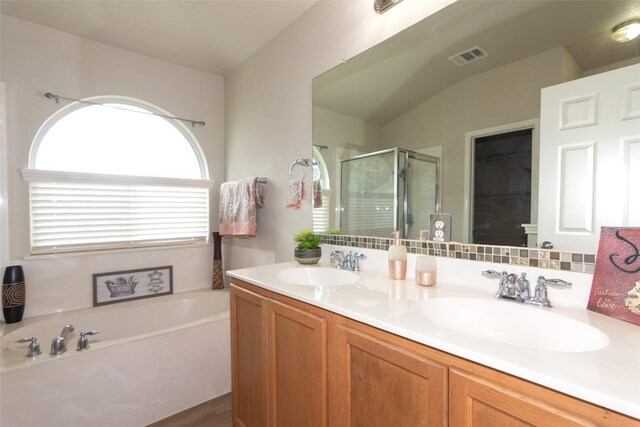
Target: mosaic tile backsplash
(542, 258)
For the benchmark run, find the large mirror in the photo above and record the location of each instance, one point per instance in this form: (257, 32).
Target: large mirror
(461, 89)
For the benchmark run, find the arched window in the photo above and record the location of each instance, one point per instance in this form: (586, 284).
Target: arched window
(114, 173)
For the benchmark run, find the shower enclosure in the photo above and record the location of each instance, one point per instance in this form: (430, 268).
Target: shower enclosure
(389, 190)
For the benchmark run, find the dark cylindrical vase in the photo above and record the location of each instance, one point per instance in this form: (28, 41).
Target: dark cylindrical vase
(13, 294)
(218, 276)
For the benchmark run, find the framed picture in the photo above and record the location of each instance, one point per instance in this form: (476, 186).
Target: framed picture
(119, 286)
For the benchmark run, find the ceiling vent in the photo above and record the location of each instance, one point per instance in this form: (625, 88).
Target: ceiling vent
(468, 56)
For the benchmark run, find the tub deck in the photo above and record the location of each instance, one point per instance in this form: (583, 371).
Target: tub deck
(123, 380)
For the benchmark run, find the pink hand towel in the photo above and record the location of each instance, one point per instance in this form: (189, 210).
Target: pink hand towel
(296, 193)
(238, 203)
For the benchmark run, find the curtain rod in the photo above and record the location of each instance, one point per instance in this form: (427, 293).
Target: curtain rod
(57, 99)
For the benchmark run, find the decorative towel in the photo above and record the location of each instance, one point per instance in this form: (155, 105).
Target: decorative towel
(317, 194)
(296, 193)
(238, 203)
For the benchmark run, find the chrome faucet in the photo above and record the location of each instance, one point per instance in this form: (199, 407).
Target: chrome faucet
(58, 344)
(540, 293)
(506, 285)
(83, 340)
(336, 255)
(517, 288)
(523, 288)
(34, 347)
(347, 262)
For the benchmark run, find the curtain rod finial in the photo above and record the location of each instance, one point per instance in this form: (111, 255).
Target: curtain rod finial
(50, 95)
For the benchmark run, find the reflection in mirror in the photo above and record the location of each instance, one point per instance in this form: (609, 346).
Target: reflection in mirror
(322, 191)
(384, 191)
(469, 74)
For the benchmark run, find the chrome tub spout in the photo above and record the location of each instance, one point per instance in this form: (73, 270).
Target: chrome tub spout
(59, 344)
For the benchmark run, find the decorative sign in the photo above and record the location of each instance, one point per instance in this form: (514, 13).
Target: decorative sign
(118, 286)
(615, 290)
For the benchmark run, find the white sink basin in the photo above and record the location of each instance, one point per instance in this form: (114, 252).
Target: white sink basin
(513, 323)
(317, 276)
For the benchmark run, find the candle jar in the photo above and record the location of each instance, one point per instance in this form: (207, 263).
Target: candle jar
(426, 270)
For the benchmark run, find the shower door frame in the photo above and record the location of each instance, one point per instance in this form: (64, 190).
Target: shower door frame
(427, 158)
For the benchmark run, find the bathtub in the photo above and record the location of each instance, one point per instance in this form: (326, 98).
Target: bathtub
(153, 358)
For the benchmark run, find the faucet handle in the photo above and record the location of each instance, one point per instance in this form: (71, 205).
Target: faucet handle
(541, 295)
(357, 257)
(556, 283)
(493, 274)
(34, 346)
(504, 285)
(83, 341)
(336, 254)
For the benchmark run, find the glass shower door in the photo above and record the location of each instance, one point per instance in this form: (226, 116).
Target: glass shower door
(389, 190)
(422, 193)
(368, 195)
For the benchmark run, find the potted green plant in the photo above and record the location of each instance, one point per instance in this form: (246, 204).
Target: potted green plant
(308, 250)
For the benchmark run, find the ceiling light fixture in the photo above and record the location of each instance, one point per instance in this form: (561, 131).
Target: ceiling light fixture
(383, 5)
(626, 31)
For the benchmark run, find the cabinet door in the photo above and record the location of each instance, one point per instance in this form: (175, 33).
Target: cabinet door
(481, 402)
(249, 358)
(387, 385)
(297, 367)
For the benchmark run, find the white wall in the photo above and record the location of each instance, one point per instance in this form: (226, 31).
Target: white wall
(36, 60)
(345, 137)
(4, 226)
(479, 102)
(268, 105)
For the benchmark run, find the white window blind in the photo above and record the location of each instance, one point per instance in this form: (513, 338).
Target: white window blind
(321, 215)
(368, 214)
(80, 211)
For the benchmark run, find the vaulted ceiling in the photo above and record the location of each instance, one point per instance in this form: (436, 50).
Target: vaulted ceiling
(214, 36)
(397, 75)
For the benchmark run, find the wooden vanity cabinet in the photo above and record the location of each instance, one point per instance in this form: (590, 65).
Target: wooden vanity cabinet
(279, 362)
(249, 363)
(381, 383)
(480, 396)
(295, 364)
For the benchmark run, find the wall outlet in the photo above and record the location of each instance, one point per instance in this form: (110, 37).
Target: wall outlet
(440, 227)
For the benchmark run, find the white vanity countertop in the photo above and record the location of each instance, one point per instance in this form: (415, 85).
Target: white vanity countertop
(609, 377)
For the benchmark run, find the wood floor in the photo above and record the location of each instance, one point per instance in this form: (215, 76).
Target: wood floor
(214, 413)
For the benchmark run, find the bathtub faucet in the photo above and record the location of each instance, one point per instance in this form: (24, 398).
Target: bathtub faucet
(58, 344)
(83, 341)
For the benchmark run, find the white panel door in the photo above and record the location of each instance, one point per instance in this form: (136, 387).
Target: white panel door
(589, 158)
